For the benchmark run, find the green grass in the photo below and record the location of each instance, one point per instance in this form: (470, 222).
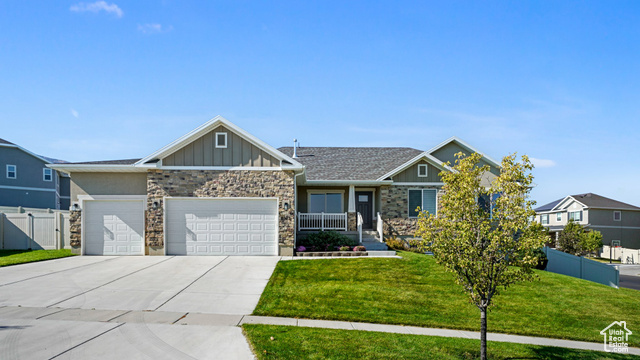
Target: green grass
(14, 257)
(603, 260)
(291, 342)
(416, 291)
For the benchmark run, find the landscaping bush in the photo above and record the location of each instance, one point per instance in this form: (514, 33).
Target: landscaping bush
(345, 248)
(326, 241)
(359, 248)
(395, 243)
(413, 245)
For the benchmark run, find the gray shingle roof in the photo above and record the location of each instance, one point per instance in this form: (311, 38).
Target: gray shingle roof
(108, 162)
(350, 163)
(3, 141)
(591, 200)
(597, 201)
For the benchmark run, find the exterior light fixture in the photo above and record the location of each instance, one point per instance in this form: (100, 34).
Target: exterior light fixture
(286, 206)
(75, 207)
(155, 205)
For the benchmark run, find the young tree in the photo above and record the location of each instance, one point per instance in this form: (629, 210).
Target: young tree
(570, 238)
(591, 241)
(487, 248)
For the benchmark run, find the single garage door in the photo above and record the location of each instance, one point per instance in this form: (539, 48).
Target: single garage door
(113, 227)
(221, 226)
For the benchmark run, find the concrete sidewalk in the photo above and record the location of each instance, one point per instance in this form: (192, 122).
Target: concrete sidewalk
(220, 321)
(414, 330)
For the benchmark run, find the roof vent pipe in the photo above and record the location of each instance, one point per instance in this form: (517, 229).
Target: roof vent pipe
(295, 148)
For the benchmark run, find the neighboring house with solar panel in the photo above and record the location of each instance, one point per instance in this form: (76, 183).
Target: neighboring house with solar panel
(618, 222)
(219, 190)
(25, 180)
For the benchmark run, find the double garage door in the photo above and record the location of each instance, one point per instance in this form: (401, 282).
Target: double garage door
(193, 226)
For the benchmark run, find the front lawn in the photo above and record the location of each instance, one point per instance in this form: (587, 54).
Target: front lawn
(13, 257)
(290, 342)
(416, 291)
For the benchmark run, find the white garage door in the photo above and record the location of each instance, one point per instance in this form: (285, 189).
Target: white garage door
(113, 227)
(221, 226)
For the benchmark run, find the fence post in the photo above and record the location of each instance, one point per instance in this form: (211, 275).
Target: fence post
(30, 230)
(58, 224)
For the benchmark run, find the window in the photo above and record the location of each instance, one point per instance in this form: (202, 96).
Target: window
(47, 174)
(559, 217)
(423, 170)
(325, 202)
(575, 215)
(544, 219)
(426, 199)
(617, 216)
(12, 171)
(615, 243)
(221, 140)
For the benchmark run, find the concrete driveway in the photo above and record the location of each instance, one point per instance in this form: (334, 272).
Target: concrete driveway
(130, 307)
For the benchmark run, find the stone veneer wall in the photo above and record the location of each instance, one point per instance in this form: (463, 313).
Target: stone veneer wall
(394, 200)
(75, 234)
(352, 221)
(209, 183)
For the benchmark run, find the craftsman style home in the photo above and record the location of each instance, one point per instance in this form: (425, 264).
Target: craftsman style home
(219, 190)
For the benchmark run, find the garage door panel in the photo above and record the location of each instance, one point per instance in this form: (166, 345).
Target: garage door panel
(113, 227)
(235, 226)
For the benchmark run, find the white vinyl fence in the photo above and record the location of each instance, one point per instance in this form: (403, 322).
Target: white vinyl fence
(630, 256)
(36, 231)
(582, 268)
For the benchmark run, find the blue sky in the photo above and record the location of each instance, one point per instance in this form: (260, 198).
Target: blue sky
(558, 81)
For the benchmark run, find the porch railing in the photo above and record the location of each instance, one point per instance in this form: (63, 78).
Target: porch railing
(322, 221)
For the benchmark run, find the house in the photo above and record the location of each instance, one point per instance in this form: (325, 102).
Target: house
(220, 190)
(27, 181)
(618, 222)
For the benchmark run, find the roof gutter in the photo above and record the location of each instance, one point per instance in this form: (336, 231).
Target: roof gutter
(349, 182)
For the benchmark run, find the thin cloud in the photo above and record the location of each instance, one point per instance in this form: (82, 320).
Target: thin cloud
(153, 28)
(97, 7)
(543, 163)
(75, 113)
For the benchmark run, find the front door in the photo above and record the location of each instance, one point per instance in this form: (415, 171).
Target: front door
(364, 205)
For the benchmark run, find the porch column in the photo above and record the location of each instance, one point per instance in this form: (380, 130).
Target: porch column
(352, 199)
(351, 209)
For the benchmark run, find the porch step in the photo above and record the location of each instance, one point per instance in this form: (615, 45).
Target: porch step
(373, 244)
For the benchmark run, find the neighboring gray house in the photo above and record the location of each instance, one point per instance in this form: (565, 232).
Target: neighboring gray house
(26, 181)
(618, 222)
(219, 190)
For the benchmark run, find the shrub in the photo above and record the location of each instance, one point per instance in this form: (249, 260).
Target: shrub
(301, 249)
(326, 241)
(359, 248)
(413, 245)
(345, 248)
(395, 243)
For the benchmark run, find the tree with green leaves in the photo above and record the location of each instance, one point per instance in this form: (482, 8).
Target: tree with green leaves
(591, 241)
(570, 238)
(487, 248)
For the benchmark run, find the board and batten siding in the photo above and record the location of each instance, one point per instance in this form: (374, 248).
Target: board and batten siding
(203, 152)
(448, 153)
(411, 174)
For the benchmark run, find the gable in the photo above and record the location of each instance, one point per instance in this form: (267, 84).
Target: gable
(447, 153)
(203, 152)
(411, 174)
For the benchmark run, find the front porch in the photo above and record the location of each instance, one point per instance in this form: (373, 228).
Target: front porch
(350, 210)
